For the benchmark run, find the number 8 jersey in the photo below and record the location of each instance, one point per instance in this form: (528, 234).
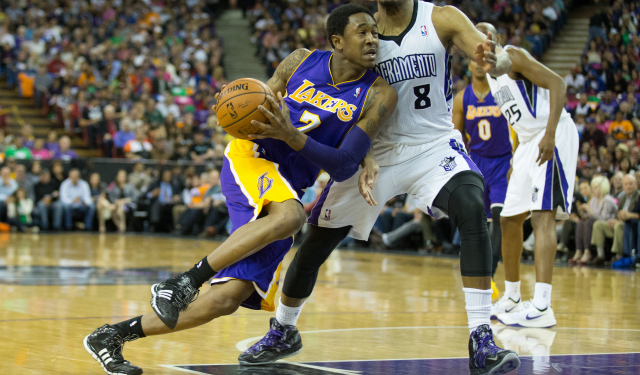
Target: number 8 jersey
(418, 67)
(525, 105)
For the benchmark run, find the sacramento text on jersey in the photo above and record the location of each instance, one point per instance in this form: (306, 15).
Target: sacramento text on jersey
(400, 69)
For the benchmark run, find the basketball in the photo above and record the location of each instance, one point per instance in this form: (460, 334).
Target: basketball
(238, 106)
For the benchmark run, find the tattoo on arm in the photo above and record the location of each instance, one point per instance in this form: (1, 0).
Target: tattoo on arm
(288, 65)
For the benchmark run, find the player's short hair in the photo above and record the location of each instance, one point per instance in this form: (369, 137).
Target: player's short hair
(339, 19)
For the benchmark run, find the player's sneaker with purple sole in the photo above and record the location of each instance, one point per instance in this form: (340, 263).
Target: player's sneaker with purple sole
(529, 316)
(279, 343)
(105, 346)
(504, 305)
(170, 297)
(486, 358)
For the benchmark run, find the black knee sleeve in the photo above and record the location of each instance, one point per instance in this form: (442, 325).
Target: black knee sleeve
(496, 238)
(462, 198)
(315, 249)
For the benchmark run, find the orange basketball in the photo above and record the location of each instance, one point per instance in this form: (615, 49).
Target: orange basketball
(238, 106)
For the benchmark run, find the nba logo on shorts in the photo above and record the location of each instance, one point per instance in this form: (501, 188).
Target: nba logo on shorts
(327, 214)
(264, 184)
(423, 29)
(449, 163)
(534, 194)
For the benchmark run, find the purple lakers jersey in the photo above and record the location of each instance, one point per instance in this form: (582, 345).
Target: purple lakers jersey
(487, 128)
(322, 109)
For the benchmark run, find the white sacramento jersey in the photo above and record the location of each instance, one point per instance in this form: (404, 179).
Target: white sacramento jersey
(525, 105)
(418, 67)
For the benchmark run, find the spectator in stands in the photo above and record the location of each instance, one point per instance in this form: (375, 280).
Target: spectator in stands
(52, 142)
(620, 128)
(601, 207)
(201, 151)
(107, 129)
(168, 106)
(614, 228)
(164, 194)
(215, 208)
(574, 80)
(139, 147)
(75, 196)
(57, 173)
(64, 151)
(580, 198)
(23, 180)
(8, 186)
(122, 198)
(583, 107)
(191, 219)
(139, 178)
(91, 117)
(42, 84)
(124, 135)
(152, 115)
(27, 135)
(39, 152)
(18, 151)
(47, 203)
(608, 105)
(19, 210)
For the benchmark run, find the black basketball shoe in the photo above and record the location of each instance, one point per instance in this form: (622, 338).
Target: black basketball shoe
(280, 342)
(105, 346)
(486, 358)
(172, 296)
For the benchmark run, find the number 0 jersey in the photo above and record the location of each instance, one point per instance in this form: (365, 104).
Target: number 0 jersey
(322, 109)
(487, 128)
(418, 67)
(525, 105)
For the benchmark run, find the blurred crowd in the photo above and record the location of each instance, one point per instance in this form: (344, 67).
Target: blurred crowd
(140, 198)
(280, 27)
(132, 79)
(129, 83)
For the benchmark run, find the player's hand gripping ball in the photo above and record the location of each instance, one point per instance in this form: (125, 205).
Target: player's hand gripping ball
(237, 105)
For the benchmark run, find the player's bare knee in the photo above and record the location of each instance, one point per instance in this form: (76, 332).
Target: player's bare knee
(543, 220)
(290, 222)
(226, 304)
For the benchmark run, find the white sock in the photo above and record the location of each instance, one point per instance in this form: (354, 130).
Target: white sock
(288, 316)
(512, 289)
(478, 303)
(542, 296)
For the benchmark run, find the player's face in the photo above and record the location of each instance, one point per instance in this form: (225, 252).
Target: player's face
(476, 70)
(360, 40)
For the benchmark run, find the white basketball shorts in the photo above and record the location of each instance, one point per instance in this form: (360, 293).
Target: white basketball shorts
(549, 186)
(422, 176)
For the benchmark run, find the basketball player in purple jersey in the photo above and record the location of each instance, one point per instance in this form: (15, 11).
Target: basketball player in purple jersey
(334, 100)
(417, 152)
(476, 114)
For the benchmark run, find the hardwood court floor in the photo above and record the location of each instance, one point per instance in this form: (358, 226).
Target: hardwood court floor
(371, 313)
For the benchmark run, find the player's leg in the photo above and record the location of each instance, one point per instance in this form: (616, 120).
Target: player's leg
(261, 213)
(105, 344)
(462, 198)
(553, 184)
(283, 340)
(340, 211)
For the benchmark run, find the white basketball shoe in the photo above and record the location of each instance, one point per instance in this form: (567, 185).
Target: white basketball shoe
(504, 305)
(529, 316)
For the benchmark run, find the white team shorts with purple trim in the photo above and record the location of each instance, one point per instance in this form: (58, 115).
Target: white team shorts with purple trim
(422, 176)
(549, 186)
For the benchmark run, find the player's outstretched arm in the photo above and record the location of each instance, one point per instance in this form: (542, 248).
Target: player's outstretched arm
(278, 83)
(340, 163)
(525, 65)
(455, 28)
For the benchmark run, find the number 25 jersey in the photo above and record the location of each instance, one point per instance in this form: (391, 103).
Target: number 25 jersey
(322, 109)
(525, 105)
